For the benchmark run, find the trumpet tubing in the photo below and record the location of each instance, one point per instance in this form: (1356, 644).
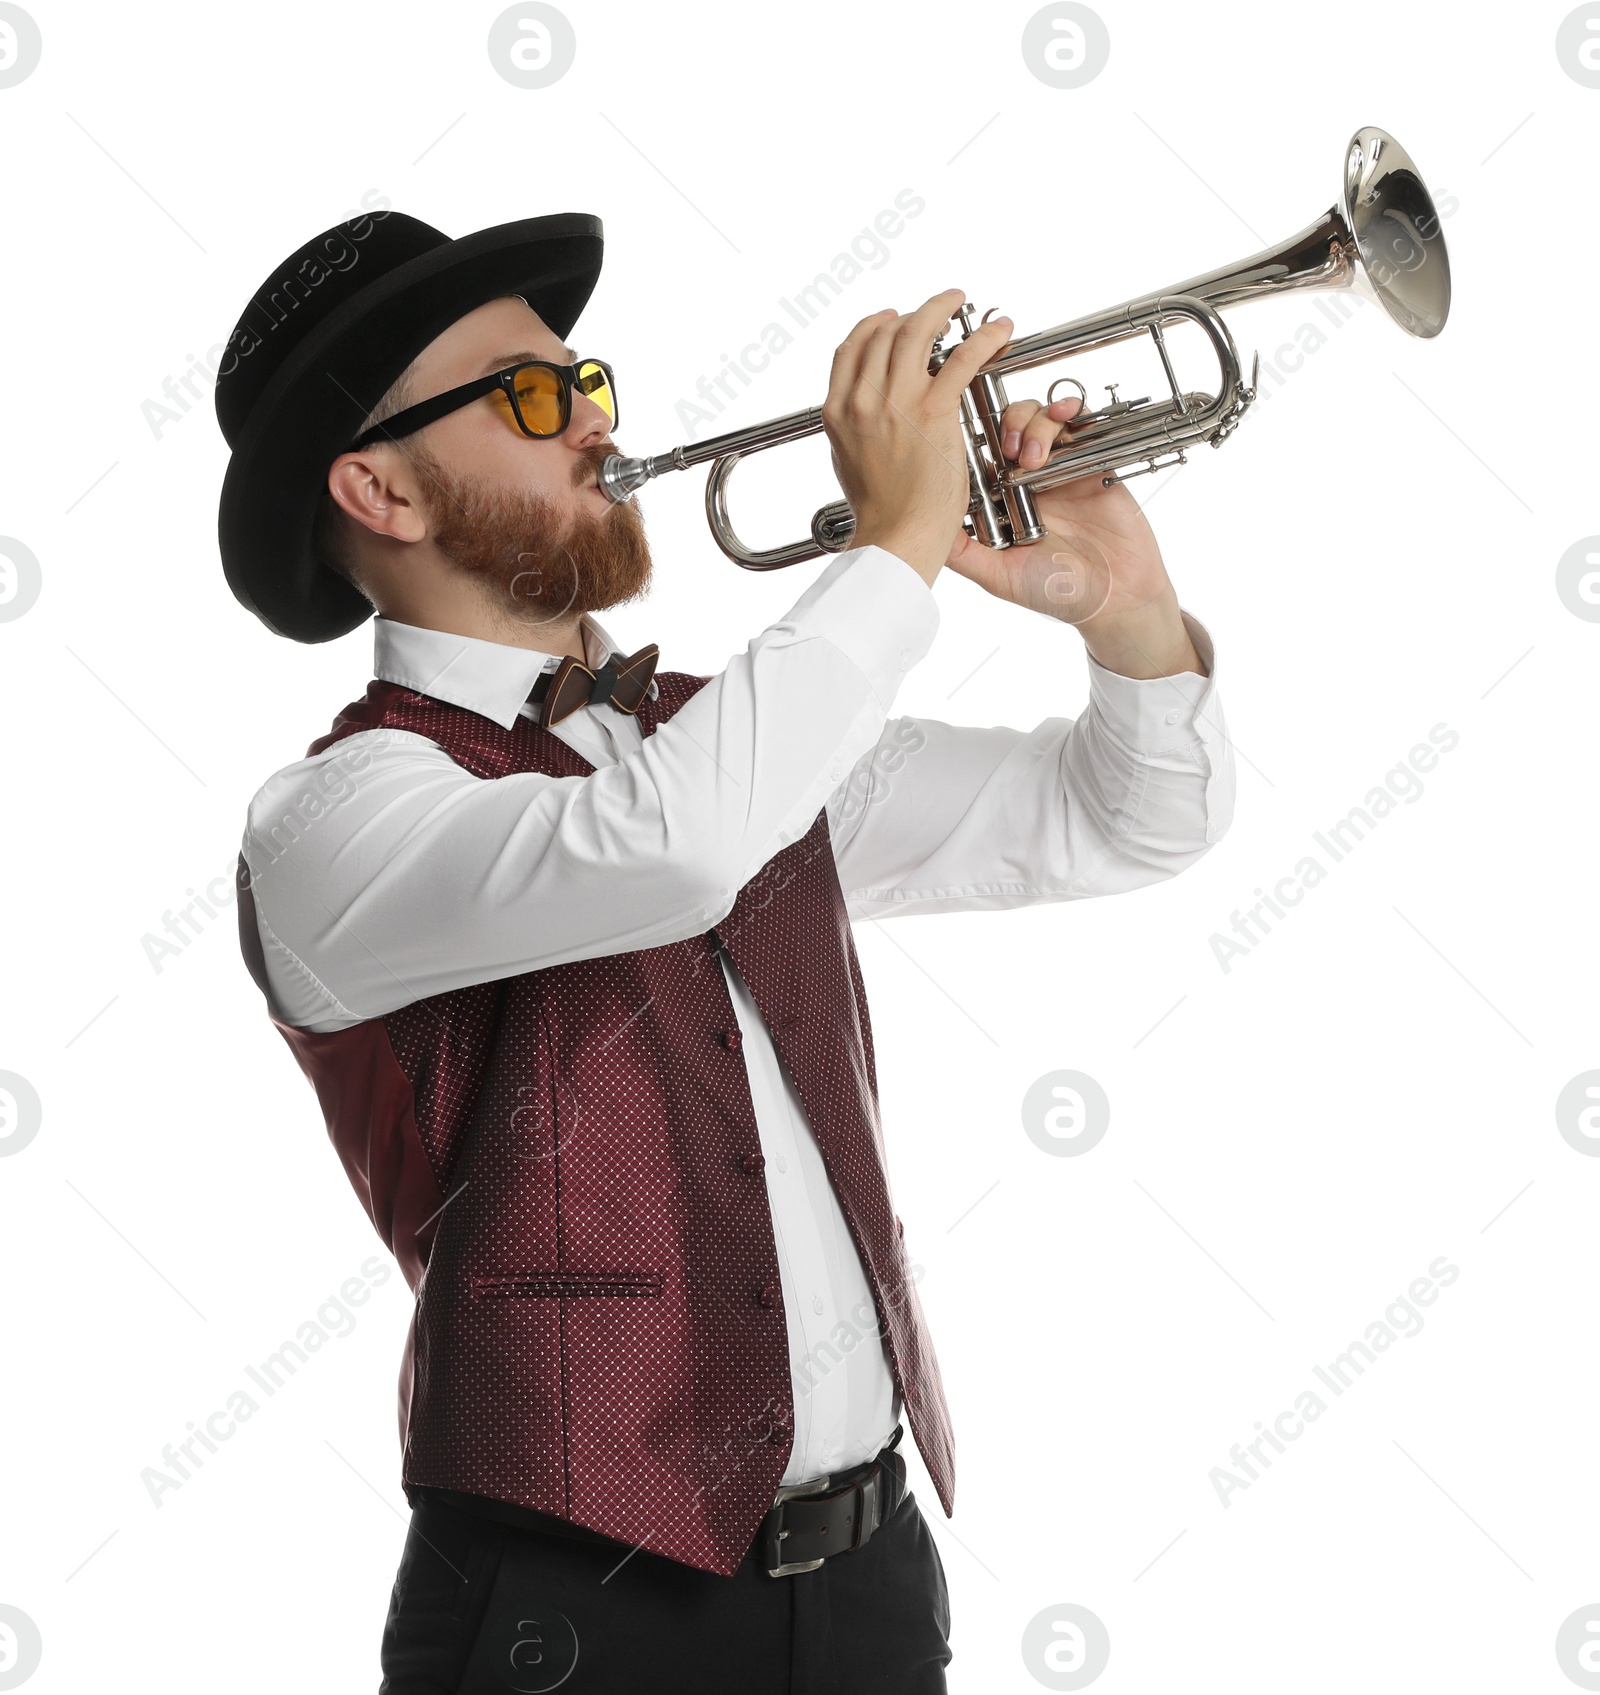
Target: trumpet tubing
(1381, 239)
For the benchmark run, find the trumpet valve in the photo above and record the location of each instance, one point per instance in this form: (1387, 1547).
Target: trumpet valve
(833, 525)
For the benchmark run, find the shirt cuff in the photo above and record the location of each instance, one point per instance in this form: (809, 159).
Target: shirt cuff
(1157, 715)
(876, 610)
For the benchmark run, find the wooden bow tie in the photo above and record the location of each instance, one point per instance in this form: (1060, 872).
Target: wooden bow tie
(621, 681)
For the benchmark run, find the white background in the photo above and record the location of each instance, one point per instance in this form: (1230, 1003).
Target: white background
(1292, 1141)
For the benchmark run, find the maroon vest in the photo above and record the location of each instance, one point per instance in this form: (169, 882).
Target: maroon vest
(564, 1165)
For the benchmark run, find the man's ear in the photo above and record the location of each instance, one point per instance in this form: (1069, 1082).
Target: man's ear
(365, 484)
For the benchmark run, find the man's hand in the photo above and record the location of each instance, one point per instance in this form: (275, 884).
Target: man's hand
(895, 428)
(1099, 568)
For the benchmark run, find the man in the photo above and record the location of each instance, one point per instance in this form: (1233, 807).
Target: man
(563, 944)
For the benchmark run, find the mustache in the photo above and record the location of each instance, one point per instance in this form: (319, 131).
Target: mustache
(589, 461)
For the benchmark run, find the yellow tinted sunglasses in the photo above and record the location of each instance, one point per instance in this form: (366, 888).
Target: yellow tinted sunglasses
(535, 396)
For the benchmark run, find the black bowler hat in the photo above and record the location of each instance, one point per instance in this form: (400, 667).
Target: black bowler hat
(321, 341)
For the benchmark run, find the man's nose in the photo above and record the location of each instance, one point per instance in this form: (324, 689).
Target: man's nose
(590, 422)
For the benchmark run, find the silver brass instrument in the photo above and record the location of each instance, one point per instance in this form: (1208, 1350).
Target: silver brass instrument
(1382, 240)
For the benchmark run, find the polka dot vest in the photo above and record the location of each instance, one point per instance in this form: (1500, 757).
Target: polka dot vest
(560, 1163)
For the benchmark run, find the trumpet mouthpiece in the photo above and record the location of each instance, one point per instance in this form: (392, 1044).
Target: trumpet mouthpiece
(620, 476)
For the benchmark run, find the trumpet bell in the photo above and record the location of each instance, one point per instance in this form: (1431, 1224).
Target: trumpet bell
(1395, 226)
(1381, 240)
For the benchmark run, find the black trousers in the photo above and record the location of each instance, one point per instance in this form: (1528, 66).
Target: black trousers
(481, 1606)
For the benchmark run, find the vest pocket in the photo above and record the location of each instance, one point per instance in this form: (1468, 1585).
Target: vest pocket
(562, 1284)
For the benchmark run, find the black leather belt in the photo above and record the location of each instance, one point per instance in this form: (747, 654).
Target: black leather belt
(810, 1522)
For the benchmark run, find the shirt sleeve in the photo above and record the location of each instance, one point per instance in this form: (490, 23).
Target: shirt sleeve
(948, 818)
(409, 876)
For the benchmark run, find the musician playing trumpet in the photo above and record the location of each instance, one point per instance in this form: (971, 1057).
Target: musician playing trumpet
(561, 938)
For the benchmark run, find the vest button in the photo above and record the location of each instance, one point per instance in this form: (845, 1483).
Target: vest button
(768, 1296)
(731, 1038)
(782, 1424)
(754, 1164)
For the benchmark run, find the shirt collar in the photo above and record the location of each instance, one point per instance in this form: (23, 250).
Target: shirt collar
(492, 679)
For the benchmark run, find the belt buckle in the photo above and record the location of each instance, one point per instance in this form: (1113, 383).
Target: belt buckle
(869, 1510)
(773, 1538)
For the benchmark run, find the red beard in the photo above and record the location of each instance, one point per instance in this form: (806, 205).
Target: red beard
(502, 537)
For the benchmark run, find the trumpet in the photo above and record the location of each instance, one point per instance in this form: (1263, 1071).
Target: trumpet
(1381, 239)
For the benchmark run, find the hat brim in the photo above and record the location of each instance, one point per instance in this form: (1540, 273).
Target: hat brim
(314, 405)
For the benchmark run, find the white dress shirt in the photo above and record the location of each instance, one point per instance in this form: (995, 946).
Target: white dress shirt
(383, 872)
